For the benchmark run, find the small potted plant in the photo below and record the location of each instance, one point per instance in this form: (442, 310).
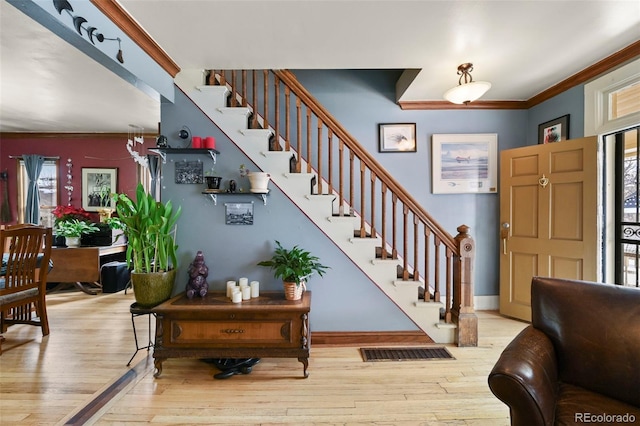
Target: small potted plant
(73, 229)
(71, 223)
(150, 228)
(259, 181)
(213, 182)
(294, 266)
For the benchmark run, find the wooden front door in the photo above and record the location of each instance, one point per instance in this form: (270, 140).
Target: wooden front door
(548, 213)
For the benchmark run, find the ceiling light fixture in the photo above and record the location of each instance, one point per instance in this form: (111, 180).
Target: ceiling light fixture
(469, 90)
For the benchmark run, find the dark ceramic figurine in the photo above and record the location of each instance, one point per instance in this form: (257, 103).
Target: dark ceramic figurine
(198, 272)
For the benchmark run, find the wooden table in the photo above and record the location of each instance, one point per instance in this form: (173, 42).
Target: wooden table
(81, 265)
(214, 327)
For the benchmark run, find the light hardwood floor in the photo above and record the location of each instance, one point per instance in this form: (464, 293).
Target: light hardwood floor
(60, 378)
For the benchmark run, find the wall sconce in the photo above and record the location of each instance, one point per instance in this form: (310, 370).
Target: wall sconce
(469, 90)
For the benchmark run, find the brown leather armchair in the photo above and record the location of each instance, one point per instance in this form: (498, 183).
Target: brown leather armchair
(579, 360)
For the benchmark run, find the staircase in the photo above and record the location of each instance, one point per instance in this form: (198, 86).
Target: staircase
(337, 215)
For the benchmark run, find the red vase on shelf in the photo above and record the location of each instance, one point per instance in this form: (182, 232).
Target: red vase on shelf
(209, 142)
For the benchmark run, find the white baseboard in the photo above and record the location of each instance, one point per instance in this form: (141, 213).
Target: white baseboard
(486, 303)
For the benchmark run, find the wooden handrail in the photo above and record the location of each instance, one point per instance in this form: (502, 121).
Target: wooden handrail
(290, 80)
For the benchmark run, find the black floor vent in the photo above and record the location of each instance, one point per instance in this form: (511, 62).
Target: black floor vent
(405, 354)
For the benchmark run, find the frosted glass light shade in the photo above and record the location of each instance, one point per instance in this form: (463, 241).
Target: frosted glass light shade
(468, 92)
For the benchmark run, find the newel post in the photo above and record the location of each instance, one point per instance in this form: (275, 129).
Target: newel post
(462, 311)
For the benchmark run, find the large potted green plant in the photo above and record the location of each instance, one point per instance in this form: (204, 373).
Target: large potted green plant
(150, 228)
(294, 266)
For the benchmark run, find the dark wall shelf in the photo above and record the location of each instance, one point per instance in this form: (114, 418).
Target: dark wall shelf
(162, 152)
(214, 195)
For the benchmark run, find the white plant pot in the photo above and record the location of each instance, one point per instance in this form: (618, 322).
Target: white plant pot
(72, 241)
(259, 181)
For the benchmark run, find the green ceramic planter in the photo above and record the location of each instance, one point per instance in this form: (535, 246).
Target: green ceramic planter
(151, 289)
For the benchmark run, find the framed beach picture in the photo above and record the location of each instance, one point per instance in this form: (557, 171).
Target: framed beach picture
(555, 130)
(97, 187)
(400, 137)
(464, 163)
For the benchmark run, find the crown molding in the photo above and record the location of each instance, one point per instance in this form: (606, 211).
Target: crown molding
(120, 17)
(617, 59)
(607, 64)
(43, 135)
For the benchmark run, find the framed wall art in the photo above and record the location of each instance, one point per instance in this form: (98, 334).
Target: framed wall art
(555, 130)
(239, 213)
(464, 163)
(400, 137)
(97, 187)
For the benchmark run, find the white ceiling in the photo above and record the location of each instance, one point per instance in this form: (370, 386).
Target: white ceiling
(521, 47)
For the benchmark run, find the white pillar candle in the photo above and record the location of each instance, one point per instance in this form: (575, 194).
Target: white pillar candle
(236, 297)
(244, 281)
(246, 293)
(230, 286)
(255, 289)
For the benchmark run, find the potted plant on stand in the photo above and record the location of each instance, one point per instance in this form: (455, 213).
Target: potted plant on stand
(213, 181)
(150, 228)
(73, 229)
(294, 266)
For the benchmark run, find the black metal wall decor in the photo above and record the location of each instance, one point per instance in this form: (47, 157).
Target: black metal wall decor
(92, 32)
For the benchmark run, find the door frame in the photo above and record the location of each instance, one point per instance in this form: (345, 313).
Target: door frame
(597, 122)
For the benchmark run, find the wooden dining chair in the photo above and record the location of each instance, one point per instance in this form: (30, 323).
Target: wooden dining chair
(26, 252)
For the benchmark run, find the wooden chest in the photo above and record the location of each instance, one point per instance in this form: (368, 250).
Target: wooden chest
(214, 327)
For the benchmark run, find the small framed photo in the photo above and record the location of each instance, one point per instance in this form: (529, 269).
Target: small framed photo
(239, 213)
(97, 187)
(399, 137)
(555, 130)
(465, 163)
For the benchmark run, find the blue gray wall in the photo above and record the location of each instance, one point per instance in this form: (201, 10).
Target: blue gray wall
(362, 99)
(345, 299)
(570, 102)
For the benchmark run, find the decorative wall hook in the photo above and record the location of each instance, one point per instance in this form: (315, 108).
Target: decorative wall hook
(184, 133)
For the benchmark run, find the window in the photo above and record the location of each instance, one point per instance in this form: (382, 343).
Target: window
(628, 210)
(624, 102)
(48, 189)
(611, 101)
(612, 110)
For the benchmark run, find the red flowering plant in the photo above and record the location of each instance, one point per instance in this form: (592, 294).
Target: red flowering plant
(69, 213)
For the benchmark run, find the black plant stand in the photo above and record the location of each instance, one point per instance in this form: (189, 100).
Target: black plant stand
(137, 311)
